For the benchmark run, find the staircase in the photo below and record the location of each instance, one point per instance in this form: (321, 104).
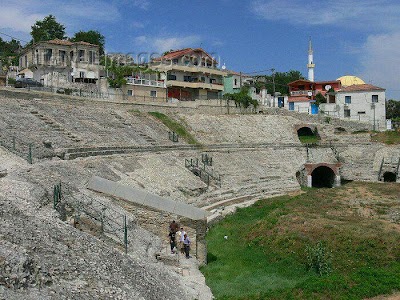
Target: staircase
(391, 165)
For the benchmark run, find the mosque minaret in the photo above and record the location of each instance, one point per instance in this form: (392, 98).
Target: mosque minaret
(310, 65)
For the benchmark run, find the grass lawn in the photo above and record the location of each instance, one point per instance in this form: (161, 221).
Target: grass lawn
(309, 139)
(387, 137)
(176, 127)
(264, 256)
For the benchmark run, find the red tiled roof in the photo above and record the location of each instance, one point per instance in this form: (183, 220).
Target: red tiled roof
(300, 80)
(360, 88)
(298, 99)
(182, 52)
(327, 81)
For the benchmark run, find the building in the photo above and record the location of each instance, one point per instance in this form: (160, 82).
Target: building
(347, 97)
(145, 88)
(359, 102)
(58, 62)
(302, 94)
(190, 74)
(234, 81)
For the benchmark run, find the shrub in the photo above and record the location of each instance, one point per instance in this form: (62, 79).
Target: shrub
(319, 259)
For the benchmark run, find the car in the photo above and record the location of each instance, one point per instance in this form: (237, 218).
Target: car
(26, 82)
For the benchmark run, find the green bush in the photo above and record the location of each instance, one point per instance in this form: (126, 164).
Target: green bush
(319, 259)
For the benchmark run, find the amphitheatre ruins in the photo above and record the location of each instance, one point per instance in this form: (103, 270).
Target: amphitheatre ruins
(88, 187)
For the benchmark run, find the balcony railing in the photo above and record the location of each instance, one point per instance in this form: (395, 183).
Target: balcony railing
(302, 93)
(145, 82)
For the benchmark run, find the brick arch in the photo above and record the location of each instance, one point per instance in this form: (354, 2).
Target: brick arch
(334, 167)
(310, 126)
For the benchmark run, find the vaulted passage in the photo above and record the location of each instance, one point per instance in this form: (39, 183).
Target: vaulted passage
(323, 177)
(305, 131)
(389, 177)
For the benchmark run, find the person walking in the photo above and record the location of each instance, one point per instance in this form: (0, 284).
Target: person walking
(172, 241)
(173, 226)
(186, 244)
(181, 238)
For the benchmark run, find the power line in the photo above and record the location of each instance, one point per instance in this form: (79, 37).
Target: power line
(13, 37)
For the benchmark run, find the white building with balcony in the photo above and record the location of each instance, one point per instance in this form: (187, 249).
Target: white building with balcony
(141, 89)
(57, 62)
(190, 74)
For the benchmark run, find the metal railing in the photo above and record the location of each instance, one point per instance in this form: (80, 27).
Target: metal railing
(18, 147)
(172, 136)
(145, 82)
(111, 222)
(205, 172)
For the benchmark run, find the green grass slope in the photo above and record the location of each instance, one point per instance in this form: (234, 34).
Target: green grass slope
(265, 257)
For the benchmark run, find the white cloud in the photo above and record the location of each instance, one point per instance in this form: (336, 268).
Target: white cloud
(137, 25)
(368, 14)
(142, 4)
(162, 44)
(21, 15)
(380, 61)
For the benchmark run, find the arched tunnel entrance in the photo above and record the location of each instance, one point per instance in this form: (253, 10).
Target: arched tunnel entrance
(389, 177)
(323, 177)
(305, 131)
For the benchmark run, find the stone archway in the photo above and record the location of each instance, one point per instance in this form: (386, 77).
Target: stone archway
(389, 177)
(305, 131)
(323, 174)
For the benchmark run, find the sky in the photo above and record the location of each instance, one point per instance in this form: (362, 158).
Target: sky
(350, 37)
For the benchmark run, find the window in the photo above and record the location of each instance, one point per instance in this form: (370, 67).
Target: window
(212, 80)
(153, 93)
(374, 98)
(92, 57)
(235, 81)
(203, 79)
(81, 55)
(187, 78)
(347, 99)
(171, 77)
(130, 93)
(361, 112)
(81, 74)
(62, 54)
(347, 113)
(48, 53)
(175, 61)
(71, 56)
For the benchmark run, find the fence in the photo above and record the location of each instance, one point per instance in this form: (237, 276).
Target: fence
(172, 136)
(204, 171)
(18, 147)
(111, 222)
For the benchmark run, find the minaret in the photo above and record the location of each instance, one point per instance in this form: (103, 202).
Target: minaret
(310, 64)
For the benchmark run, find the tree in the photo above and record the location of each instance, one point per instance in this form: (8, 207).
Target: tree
(319, 98)
(279, 81)
(47, 29)
(393, 109)
(9, 53)
(92, 37)
(242, 99)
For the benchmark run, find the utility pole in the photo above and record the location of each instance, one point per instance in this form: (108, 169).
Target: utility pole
(273, 85)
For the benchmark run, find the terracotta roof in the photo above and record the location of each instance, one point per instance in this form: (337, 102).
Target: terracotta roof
(182, 52)
(300, 80)
(360, 88)
(327, 81)
(298, 99)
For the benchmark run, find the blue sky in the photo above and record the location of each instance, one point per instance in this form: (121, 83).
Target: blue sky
(353, 37)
